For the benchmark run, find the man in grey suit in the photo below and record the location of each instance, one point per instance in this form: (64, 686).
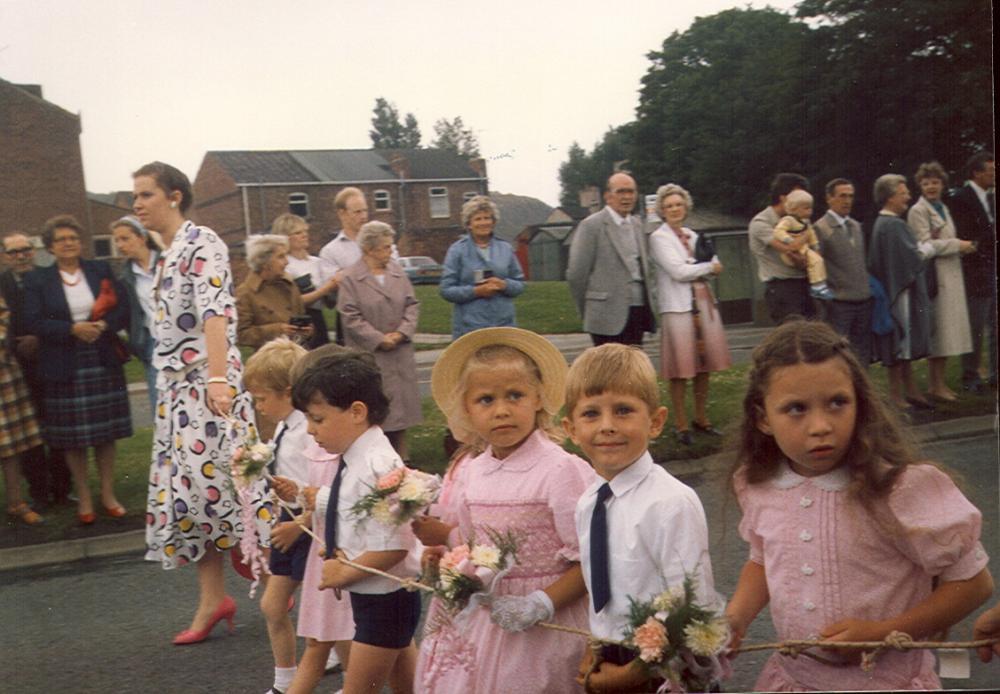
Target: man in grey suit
(607, 269)
(842, 245)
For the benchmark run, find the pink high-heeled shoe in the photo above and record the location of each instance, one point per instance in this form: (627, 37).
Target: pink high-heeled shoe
(226, 610)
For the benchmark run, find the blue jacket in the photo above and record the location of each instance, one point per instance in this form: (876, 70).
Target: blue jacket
(458, 285)
(48, 317)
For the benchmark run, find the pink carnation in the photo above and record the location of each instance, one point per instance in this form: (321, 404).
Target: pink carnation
(454, 557)
(238, 453)
(651, 639)
(466, 567)
(391, 479)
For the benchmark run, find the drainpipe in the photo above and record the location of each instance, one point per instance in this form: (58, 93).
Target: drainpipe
(246, 212)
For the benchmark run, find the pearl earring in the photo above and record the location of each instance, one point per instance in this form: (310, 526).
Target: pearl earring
(173, 205)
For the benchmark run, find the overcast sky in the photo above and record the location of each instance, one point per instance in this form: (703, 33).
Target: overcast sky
(170, 80)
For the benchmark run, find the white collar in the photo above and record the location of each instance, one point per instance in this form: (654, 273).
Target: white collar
(833, 481)
(617, 218)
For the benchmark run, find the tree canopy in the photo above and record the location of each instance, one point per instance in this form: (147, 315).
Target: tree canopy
(851, 88)
(452, 135)
(388, 132)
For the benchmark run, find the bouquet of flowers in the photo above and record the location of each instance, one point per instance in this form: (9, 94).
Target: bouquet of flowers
(398, 496)
(250, 461)
(248, 474)
(474, 569)
(678, 639)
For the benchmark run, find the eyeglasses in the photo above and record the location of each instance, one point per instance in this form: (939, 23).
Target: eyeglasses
(19, 251)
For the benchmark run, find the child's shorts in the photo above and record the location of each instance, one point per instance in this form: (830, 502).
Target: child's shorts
(386, 620)
(293, 562)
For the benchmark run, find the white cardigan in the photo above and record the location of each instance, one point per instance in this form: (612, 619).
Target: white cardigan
(675, 270)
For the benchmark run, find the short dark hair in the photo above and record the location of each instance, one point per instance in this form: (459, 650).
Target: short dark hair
(341, 382)
(785, 183)
(977, 162)
(831, 186)
(60, 221)
(169, 179)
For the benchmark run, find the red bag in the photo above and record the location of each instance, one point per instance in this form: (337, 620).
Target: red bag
(105, 301)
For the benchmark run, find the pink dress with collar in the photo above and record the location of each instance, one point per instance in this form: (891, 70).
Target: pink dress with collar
(827, 560)
(533, 492)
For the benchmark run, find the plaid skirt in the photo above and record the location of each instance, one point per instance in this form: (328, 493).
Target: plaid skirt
(90, 410)
(18, 426)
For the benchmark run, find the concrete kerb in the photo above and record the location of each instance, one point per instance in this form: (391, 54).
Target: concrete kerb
(133, 541)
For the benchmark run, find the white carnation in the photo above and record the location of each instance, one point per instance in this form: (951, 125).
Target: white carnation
(706, 638)
(669, 600)
(381, 512)
(485, 555)
(412, 489)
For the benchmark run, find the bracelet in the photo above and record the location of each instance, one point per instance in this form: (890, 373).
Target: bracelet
(218, 379)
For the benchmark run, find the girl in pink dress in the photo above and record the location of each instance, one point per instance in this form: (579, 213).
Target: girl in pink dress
(851, 538)
(324, 621)
(501, 387)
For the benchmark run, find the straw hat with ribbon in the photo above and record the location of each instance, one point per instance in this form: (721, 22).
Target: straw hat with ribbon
(448, 369)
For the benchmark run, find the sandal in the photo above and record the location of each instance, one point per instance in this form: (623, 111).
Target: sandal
(24, 512)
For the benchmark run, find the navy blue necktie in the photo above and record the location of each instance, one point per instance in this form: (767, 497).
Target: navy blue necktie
(600, 581)
(272, 467)
(331, 512)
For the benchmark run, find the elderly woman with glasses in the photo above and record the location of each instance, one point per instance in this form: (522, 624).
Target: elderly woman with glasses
(269, 303)
(481, 273)
(76, 306)
(379, 311)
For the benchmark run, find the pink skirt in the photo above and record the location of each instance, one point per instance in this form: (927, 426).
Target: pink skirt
(321, 615)
(692, 344)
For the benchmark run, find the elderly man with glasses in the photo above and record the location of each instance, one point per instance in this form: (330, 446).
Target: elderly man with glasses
(48, 477)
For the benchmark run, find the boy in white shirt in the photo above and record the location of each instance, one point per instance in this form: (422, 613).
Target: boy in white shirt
(650, 528)
(267, 377)
(344, 405)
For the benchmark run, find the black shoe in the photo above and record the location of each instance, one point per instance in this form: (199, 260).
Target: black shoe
(707, 429)
(920, 404)
(684, 437)
(973, 387)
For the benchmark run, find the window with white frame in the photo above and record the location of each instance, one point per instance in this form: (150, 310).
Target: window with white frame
(104, 247)
(439, 203)
(298, 203)
(468, 195)
(382, 200)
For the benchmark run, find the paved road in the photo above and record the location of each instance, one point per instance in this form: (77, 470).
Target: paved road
(105, 626)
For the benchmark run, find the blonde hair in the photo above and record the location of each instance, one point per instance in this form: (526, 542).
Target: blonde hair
(612, 368)
(286, 224)
(340, 201)
(494, 357)
(796, 199)
(270, 367)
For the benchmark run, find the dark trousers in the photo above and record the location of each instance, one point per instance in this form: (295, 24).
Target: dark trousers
(47, 475)
(789, 297)
(640, 320)
(983, 322)
(853, 320)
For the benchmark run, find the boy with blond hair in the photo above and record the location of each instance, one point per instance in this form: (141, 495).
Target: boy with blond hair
(641, 530)
(267, 376)
(795, 227)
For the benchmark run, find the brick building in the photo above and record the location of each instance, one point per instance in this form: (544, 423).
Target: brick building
(41, 165)
(419, 192)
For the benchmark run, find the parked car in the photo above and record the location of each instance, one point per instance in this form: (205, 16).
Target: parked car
(421, 269)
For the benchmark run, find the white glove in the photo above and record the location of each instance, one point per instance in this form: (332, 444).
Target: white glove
(517, 613)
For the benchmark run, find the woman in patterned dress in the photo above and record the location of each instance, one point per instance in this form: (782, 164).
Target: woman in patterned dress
(192, 514)
(18, 427)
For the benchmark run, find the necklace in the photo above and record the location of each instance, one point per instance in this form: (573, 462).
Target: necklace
(70, 280)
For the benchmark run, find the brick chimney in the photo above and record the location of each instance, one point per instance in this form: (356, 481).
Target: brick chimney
(479, 166)
(400, 165)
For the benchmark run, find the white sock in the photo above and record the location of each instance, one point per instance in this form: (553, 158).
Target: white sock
(283, 677)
